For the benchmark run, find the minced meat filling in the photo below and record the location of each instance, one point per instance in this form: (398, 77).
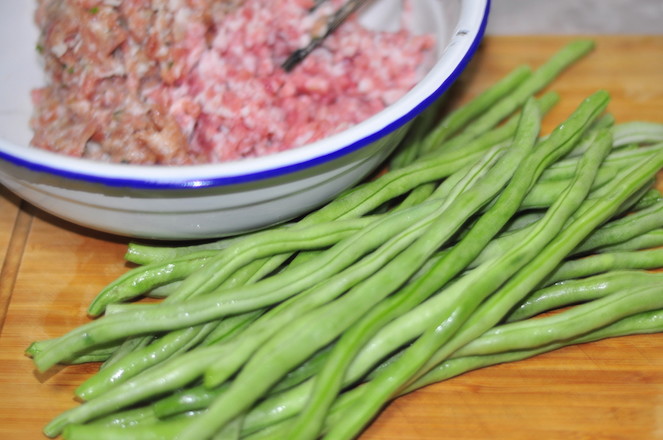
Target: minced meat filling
(178, 82)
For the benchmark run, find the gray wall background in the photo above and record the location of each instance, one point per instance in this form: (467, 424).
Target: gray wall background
(513, 17)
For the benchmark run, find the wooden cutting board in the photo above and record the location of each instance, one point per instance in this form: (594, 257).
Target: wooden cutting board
(606, 390)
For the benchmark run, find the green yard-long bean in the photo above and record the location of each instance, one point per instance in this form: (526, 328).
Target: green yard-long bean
(330, 379)
(249, 341)
(574, 291)
(410, 325)
(423, 359)
(538, 80)
(245, 298)
(338, 315)
(481, 283)
(449, 261)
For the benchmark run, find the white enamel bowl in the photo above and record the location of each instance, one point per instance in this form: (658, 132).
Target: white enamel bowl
(204, 201)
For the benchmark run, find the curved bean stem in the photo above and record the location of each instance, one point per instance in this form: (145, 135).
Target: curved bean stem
(571, 292)
(626, 228)
(648, 240)
(578, 320)
(640, 323)
(541, 77)
(599, 263)
(512, 237)
(637, 132)
(180, 371)
(455, 120)
(144, 254)
(140, 280)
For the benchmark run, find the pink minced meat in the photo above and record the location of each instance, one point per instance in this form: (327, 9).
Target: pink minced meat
(198, 81)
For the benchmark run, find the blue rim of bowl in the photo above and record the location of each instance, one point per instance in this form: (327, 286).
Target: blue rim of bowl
(272, 172)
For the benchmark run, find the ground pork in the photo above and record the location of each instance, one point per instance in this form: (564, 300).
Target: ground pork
(197, 81)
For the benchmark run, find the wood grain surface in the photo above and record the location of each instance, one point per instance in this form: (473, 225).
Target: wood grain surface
(606, 390)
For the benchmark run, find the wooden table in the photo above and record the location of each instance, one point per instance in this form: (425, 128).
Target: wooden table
(606, 390)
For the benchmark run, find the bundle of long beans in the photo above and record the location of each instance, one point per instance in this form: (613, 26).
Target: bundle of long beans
(448, 262)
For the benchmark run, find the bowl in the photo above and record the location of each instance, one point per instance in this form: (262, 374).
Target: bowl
(214, 200)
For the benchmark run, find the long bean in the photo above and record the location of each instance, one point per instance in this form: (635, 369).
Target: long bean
(419, 274)
(248, 342)
(343, 312)
(244, 276)
(545, 193)
(591, 112)
(570, 292)
(183, 369)
(135, 362)
(640, 323)
(541, 77)
(638, 132)
(180, 371)
(626, 228)
(156, 431)
(466, 360)
(286, 312)
(367, 197)
(596, 211)
(451, 264)
(477, 106)
(408, 148)
(144, 254)
(546, 299)
(606, 120)
(411, 325)
(481, 283)
(578, 320)
(267, 244)
(197, 310)
(501, 134)
(617, 159)
(599, 263)
(231, 258)
(458, 365)
(143, 278)
(330, 379)
(613, 235)
(648, 240)
(659, 321)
